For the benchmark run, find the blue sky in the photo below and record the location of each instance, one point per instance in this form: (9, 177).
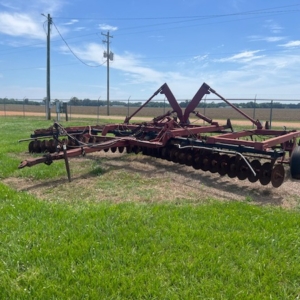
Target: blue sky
(240, 48)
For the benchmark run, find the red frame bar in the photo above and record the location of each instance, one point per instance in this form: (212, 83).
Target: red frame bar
(233, 138)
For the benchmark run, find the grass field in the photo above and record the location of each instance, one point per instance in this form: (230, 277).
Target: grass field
(63, 244)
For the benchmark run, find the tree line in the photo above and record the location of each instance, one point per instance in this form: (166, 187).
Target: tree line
(74, 101)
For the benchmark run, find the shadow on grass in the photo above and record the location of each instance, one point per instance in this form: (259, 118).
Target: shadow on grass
(229, 189)
(214, 185)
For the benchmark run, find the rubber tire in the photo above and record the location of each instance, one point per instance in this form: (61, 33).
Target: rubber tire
(295, 163)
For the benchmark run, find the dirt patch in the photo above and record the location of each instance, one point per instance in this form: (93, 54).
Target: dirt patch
(122, 177)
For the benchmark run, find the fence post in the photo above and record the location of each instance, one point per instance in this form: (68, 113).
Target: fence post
(254, 110)
(4, 107)
(128, 106)
(70, 110)
(98, 110)
(271, 113)
(65, 110)
(23, 107)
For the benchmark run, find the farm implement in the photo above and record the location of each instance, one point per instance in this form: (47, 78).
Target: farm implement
(258, 154)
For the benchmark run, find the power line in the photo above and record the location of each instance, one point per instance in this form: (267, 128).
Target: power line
(94, 66)
(21, 48)
(178, 17)
(269, 11)
(260, 12)
(185, 26)
(194, 18)
(38, 67)
(36, 44)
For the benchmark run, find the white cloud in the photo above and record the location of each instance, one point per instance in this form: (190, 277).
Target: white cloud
(33, 6)
(134, 67)
(272, 39)
(256, 74)
(92, 52)
(23, 18)
(73, 21)
(8, 5)
(274, 76)
(157, 38)
(273, 26)
(107, 27)
(242, 57)
(20, 25)
(131, 65)
(200, 57)
(269, 39)
(291, 44)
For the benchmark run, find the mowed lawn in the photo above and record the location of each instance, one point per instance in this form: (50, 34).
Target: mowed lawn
(126, 250)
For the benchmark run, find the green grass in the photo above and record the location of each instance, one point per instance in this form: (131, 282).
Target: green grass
(14, 129)
(153, 251)
(126, 250)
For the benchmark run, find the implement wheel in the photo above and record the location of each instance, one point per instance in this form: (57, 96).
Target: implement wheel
(295, 163)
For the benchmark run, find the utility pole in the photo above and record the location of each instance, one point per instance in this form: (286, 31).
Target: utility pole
(48, 68)
(48, 111)
(109, 56)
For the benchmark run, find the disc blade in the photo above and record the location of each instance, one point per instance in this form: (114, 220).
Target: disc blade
(232, 167)
(256, 166)
(277, 176)
(265, 173)
(223, 164)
